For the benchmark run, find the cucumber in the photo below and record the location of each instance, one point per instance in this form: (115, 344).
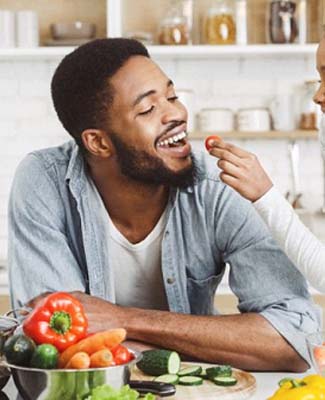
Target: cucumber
(225, 380)
(203, 374)
(190, 371)
(220, 370)
(159, 362)
(167, 378)
(190, 380)
(19, 350)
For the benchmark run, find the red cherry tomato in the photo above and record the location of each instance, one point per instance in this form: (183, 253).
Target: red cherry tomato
(121, 355)
(207, 140)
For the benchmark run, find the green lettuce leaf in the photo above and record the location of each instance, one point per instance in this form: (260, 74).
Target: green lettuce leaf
(106, 392)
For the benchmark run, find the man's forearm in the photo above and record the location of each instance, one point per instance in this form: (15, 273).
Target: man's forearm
(245, 340)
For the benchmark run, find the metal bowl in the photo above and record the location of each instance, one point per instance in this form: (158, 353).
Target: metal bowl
(68, 384)
(7, 328)
(73, 30)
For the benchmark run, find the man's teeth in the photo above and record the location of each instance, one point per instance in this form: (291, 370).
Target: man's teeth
(173, 139)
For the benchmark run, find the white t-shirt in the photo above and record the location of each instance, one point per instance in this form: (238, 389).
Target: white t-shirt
(296, 240)
(136, 267)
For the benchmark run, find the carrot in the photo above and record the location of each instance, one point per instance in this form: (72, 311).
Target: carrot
(80, 360)
(102, 358)
(99, 341)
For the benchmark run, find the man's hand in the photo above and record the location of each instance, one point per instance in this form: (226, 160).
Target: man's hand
(240, 169)
(33, 302)
(101, 314)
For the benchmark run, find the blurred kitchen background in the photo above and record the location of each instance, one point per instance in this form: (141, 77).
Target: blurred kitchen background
(245, 69)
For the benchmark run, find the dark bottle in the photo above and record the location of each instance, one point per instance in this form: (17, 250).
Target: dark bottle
(282, 22)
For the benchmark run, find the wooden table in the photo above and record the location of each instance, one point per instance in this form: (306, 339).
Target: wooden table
(267, 382)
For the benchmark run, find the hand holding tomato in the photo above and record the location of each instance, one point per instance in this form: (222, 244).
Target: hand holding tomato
(210, 139)
(241, 170)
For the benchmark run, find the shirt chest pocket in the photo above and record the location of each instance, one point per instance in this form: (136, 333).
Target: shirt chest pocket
(201, 293)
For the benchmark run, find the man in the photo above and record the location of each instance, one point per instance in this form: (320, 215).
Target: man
(133, 219)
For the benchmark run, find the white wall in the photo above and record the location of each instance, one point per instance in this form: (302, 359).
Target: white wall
(28, 121)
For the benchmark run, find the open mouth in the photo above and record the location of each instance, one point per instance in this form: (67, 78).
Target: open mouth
(177, 140)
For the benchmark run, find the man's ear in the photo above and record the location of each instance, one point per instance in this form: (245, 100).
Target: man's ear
(97, 142)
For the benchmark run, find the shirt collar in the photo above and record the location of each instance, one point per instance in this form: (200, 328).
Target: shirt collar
(75, 176)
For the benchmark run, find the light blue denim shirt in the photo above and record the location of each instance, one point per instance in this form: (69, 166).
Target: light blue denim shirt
(57, 242)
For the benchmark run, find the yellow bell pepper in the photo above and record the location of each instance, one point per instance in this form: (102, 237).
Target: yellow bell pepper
(311, 387)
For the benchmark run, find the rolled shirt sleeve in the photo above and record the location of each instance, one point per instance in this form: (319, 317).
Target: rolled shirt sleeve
(262, 276)
(294, 318)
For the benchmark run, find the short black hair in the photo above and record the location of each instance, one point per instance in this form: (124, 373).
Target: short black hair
(80, 87)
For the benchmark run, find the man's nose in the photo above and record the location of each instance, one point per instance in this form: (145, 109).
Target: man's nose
(173, 111)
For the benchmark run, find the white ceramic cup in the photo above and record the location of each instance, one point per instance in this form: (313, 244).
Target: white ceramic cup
(7, 29)
(186, 97)
(27, 29)
(253, 120)
(216, 119)
(282, 109)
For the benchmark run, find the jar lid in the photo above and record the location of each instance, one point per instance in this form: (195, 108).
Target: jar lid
(222, 8)
(174, 20)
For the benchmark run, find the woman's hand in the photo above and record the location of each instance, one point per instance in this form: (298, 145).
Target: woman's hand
(240, 169)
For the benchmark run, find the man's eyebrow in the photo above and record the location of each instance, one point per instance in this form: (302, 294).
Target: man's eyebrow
(148, 93)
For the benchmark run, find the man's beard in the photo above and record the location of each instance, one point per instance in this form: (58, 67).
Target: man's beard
(145, 168)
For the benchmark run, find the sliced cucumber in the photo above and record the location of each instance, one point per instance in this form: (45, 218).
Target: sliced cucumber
(225, 380)
(190, 380)
(159, 362)
(167, 378)
(190, 371)
(220, 370)
(203, 374)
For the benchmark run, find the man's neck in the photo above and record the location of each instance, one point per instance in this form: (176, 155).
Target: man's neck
(134, 208)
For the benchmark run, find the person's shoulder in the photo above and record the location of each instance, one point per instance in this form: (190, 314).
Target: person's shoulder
(41, 165)
(52, 155)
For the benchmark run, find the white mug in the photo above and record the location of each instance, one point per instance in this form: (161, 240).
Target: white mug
(282, 109)
(186, 97)
(27, 29)
(253, 120)
(216, 119)
(7, 29)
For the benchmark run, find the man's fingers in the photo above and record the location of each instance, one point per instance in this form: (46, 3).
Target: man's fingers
(224, 154)
(230, 147)
(33, 302)
(229, 180)
(229, 168)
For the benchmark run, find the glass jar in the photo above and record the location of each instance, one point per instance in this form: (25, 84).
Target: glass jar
(176, 27)
(282, 24)
(220, 26)
(309, 110)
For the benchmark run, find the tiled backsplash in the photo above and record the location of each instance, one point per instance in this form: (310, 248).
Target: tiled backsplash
(28, 121)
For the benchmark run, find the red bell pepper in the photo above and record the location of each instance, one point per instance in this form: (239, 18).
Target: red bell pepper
(58, 319)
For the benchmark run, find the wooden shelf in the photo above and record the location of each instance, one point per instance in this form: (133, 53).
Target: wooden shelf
(196, 52)
(232, 51)
(274, 135)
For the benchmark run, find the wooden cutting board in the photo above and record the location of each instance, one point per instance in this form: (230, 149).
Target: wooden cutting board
(244, 389)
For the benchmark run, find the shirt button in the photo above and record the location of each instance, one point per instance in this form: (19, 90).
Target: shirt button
(170, 280)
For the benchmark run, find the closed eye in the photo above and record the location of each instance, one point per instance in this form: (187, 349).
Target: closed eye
(147, 111)
(173, 98)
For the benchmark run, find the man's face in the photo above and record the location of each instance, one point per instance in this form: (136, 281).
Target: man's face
(319, 97)
(148, 126)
